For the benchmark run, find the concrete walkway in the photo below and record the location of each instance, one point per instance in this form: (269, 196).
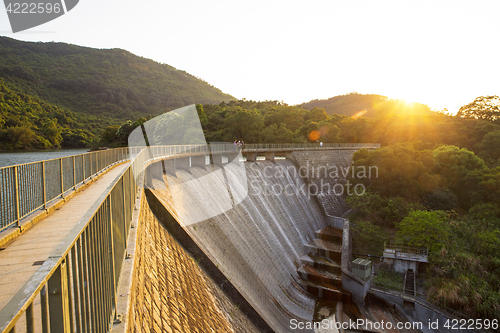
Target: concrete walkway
(18, 261)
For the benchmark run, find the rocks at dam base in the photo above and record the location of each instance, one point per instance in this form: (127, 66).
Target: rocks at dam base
(171, 293)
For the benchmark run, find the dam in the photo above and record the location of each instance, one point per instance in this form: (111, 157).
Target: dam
(204, 251)
(264, 245)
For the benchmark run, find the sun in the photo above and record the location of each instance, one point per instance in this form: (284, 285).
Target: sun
(408, 103)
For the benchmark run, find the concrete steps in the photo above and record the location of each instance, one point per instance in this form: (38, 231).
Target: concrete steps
(317, 261)
(327, 249)
(409, 288)
(326, 291)
(320, 273)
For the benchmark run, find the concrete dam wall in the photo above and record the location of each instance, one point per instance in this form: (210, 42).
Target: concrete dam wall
(326, 174)
(257, 244)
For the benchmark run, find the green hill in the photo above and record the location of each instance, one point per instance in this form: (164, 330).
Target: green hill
(102, 87)
(363, 105)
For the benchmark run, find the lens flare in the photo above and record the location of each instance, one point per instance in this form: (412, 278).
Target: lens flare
(359, 114)
(314, 135)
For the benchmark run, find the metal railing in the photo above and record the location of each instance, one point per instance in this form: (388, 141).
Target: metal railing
(292, 146)
(402, 251)
(76, 286)
(26, 188)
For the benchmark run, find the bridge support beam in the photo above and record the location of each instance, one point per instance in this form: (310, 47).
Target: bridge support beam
(251, 157)
(198, 161)
(216, 159)
(170, 166)
(182, 163)
(270, 156)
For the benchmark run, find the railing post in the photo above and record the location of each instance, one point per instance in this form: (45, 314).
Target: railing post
(16, 196)
(43, 186)
(83, 168)
(112, 257)
(58, 300)
(74, 172)
(125, 233)
(45, 309)
(62, 180)
(30, 319)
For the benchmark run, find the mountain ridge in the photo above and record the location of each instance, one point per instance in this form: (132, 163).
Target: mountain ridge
(98, 87)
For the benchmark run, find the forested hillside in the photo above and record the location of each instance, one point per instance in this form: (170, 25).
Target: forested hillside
(28, 122)
(361, 105)
(101, 87)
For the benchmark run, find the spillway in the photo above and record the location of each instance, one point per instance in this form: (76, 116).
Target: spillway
(257, 243)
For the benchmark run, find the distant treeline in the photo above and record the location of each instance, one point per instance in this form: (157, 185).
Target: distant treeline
(394, 122)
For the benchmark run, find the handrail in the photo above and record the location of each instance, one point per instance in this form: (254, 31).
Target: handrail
(292, 146)
(410, 252)
(77, 284)
(26, 188)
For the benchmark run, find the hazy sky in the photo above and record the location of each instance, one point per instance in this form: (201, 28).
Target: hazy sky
(441, 53)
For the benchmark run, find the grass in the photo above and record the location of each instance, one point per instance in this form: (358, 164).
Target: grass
(389, 279)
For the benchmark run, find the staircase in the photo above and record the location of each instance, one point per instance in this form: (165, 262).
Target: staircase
(320, 273)
(409, 288)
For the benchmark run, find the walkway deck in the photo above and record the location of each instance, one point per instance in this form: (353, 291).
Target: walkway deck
(18, 261)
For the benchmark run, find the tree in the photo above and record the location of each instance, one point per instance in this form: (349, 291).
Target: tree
(52, 132)
(489, 148)
(453, 163)
(422, 228)
(483, 107)
(245, 125)
(201, 115)
(316, 115)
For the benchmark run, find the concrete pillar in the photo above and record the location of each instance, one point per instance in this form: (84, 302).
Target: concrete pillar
(182, 163)
(170, 166)
(251, 157)
(198, 161)
(270, 156)
(216, 159)
(154, 171)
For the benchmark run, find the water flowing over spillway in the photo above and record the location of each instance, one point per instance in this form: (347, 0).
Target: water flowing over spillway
(258, 242)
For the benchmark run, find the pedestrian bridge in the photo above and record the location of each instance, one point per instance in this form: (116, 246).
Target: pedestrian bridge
(67, 229)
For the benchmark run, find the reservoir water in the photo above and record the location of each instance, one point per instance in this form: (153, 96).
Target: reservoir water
(8, 158)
